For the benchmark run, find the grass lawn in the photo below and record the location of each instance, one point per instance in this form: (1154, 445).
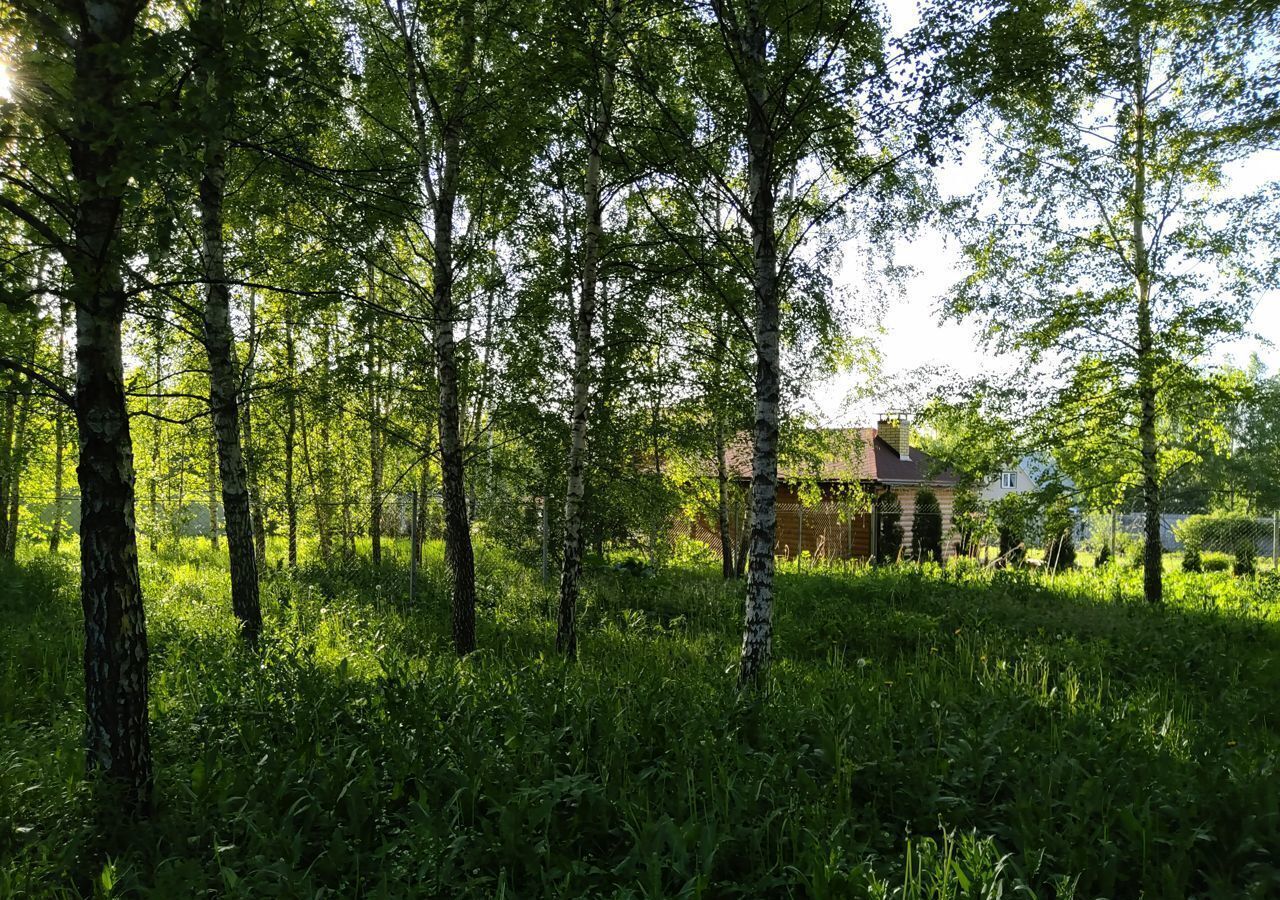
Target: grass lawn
(926, 733)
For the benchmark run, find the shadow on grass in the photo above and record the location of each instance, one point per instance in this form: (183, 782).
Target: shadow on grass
(356, 755)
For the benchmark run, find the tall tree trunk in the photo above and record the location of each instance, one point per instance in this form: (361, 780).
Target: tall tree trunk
(17, 460)
(722, 505)
(757, 636)
(424, 491)
(117, 735)
(375, 448)
(290, 436)
(318, 500)
(457, 527)
(250, 448)
(320, 461)
(744, 538)
(11, 399)
(211, 481)
(219, 340)
(59, 438)
(1153, 550)
(11, 437)
(442, 197)
(598, 136)
(153, 476)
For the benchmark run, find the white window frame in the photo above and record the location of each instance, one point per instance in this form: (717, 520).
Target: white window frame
(1009, 480)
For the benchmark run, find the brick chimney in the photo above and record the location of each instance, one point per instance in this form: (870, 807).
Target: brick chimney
(895, 430)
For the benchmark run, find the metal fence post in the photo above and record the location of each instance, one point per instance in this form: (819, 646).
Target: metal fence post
(413, 546)
(1113, 533)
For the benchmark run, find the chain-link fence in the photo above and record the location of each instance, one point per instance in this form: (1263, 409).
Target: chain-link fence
(1218, 534)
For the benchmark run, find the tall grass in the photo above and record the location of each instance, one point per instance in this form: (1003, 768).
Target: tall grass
(926, 733)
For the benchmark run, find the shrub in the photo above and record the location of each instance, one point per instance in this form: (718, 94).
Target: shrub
(1222, 531)
(969, 516)
(926, 527)
(1216, 562)
(889, 539)
(1059, 528)
(1246, 561)
(1191, 561)
(1015, 517)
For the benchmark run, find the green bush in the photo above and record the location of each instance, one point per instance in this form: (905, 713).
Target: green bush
(1216, 562)
(1015, 520)
(1246, 561)
(969, 516)
(1223, 531)
(926, 528)
(1191, 561)
(889, 539)
(1059, 529)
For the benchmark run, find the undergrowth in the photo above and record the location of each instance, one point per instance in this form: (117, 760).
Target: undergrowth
(926, 733)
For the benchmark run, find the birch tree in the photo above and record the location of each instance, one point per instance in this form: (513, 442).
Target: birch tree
(85, 102)
(799, 114)
(1109, 251)
(602, 62)
(214, 71)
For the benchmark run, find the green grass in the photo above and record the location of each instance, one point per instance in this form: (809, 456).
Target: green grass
(926, 733)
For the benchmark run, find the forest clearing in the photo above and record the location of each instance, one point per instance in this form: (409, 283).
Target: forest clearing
(639, 448)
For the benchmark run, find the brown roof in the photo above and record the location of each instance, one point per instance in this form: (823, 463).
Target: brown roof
(846, 455)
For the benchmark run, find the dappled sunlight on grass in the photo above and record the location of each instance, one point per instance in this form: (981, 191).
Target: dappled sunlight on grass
(1019, 730)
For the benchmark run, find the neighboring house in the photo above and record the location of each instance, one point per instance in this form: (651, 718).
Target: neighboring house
(877, 461)
(1027, 475)
(1016, 478)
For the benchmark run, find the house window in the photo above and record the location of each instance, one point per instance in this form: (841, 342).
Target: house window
(1009, 480)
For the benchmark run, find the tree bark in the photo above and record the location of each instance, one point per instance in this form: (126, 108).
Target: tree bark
(11, 400)
(375, 448)
(744, 538)
(318, 500)
(211, 482)
(757, 636)
(566, 631)
(1153, 550)
(117, 735)
(457, 527)
(727, 568)
(219, 339)
(442, 197)
(153, 477)
(250, 448)
(290, 436)
(17, 460)
(59, 438)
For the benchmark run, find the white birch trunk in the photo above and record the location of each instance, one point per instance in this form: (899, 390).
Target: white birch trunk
(566, 631)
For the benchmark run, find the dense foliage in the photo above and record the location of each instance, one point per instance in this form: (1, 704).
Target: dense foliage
(325, 326)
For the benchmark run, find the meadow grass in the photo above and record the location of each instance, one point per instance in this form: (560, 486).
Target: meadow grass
(926, 732)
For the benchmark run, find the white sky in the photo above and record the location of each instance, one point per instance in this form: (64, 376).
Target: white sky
(914, 335)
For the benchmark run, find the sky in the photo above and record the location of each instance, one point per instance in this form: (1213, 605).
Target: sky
(912, 334)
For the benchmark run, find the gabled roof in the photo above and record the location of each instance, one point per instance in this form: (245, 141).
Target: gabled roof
(850, 455)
